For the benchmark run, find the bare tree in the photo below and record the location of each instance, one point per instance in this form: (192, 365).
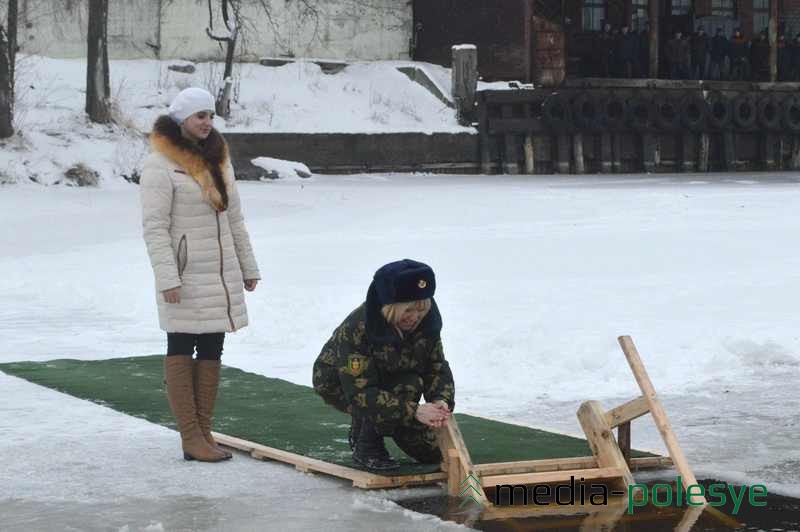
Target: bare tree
(223, 100)
(98, 89)
(8, 55)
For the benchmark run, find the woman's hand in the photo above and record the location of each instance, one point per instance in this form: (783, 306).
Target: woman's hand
(433, 414)
(173, 295)
(250, 284)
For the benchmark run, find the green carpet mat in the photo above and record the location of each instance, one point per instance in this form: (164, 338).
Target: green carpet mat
(274, 412)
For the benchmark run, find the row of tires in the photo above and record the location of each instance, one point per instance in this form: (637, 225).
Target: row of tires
(610, 111)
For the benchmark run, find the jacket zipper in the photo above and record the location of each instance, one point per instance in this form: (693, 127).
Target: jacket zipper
(222, 273)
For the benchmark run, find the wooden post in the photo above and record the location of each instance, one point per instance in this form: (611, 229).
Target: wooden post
(795, 152)
(510, 164)
(454, 476)
(702, 163)
(773, 40)
(729, 149)
(624, 439)
(653, 21)
(616, 151)
(688, 139)
(528, 147)
(605, 153)
(577, 153)
(483, 133)
(453, 435)
(601, 440)
(563, 147)
(779, 148)
(659, 415)
(769, 151)
(464, 78)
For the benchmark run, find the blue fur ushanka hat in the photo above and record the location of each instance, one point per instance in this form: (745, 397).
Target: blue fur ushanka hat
(398, 282)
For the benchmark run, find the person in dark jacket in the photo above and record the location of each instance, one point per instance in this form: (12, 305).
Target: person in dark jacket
(384, 357)
(784, 58)
(740, 56)
(699, 49)
(673, 54)
(606, 49)
(644, 53)
(759, 58)
(627, 51)
(795, 58)
(720, 49)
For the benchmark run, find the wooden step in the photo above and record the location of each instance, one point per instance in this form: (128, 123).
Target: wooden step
(550, 477)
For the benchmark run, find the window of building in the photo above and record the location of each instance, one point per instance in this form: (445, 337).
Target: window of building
(681, 7)
(760, 16)
(639, 13)
(723, 8)
(594, 13)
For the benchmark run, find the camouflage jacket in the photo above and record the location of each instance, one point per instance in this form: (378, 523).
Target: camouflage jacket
(382, 373)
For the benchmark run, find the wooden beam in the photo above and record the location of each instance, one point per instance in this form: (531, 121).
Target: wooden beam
(510, 164)
(659, 414)
(624, 439)
(577, 153)
(702, 163)
(551, 477)
(457, 440)
(566, 464)
(454, 477)
(601, 440)
(629, 411)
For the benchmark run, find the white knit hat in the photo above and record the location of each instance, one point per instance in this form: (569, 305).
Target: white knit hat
(190, 101)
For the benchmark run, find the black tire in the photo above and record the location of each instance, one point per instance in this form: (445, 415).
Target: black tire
(693, 111)
(557, 113)
(641, 113)
(668, 116)
(745, 111)
(769, 113)
(614, 112)
(720, 113)
(790, 113)
(586, 112)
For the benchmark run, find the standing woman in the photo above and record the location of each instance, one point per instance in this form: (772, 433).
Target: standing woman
(201, 257)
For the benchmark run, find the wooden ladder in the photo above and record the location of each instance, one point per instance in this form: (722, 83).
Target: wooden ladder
(611, 460)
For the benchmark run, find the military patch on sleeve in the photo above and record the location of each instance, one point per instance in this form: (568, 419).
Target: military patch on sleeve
(356, 364)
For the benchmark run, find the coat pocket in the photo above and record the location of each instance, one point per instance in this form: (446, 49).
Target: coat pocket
(183, 255)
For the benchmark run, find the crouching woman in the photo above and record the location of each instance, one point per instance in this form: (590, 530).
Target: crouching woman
(379, 363)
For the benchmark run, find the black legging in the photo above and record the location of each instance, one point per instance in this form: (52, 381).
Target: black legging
(209, 345)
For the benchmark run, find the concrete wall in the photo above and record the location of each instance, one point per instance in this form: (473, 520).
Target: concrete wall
(330, 29)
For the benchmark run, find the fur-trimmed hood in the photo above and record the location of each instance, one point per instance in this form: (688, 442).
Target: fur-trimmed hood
(207, 162)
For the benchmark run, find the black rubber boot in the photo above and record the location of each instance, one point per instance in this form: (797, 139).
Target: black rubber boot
(370, 451)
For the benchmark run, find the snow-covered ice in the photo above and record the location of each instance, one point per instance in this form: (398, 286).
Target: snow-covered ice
(537, 276)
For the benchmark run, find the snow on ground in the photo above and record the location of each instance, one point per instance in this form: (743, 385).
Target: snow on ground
(537, 276)
(54, 135)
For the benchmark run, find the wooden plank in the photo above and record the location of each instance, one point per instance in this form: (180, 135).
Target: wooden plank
(659, 414)
(464, 81)
(560, 512)
(601, 440)
(606, 518)
(629, 411)
(400, 481)
(495, 97)
(551, 477)
(457, 440)
(566, 464)
(769, 151)
(624, 438)
(577, 153)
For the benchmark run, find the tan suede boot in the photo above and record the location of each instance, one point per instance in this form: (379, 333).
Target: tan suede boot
(206, 382)
(180, 392)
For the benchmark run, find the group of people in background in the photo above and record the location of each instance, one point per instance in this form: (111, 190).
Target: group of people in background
(625, 53)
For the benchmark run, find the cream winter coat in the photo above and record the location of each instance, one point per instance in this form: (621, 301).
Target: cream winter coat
(194, 242)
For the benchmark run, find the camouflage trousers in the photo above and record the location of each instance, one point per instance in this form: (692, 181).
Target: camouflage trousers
(415, 439)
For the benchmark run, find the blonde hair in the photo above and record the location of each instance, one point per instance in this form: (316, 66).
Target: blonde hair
(393, 311)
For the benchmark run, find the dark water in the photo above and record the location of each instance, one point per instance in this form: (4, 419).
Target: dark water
(780, 513)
